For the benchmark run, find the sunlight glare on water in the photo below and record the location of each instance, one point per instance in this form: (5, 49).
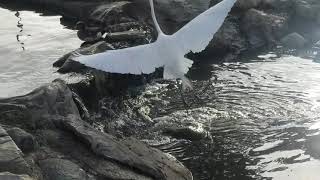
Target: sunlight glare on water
(30, 43)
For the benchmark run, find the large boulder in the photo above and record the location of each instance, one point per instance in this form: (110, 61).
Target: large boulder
(54, 119)
(61, 169)
(261, 28)
(227, 41)
(294, 40)
(25, 141)
(129, 152)
(173, 14)
(33, 110)
(11, 157)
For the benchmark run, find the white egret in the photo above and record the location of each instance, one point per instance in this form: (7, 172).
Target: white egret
(167, 51)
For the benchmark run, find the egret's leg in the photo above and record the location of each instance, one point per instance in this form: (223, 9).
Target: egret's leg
(181, 89)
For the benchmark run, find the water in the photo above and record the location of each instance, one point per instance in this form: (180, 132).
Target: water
(29, 44)
(263, 115)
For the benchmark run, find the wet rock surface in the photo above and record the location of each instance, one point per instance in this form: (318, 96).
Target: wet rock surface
(70, 148)
(25, 141)
(62, 169)
(10, 176)
(11, 157)
(294, 40)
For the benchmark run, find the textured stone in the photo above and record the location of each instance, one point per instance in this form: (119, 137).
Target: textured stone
(60, 169)
(294, 40)
(129, 152)
(11, 158)
(261, 28)
(25, 141)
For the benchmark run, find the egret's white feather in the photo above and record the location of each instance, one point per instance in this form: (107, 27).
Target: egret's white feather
(167, 51)
(135, 60)
(196, 35)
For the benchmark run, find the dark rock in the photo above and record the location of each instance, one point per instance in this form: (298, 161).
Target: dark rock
(261, 28)
(60, 169)
(62, 60)
(308, 10)
(110, 13)
(67, 143)
(126, 26)
(130, 152)
(72, 66)
(88, 34)
(11, 158)
(172, 15)
(286, 6)
(184, 133)
(228, 40)
(125, 36)
(15, 114)
(25, 141)
(10, 176)
(247, 4)
(66, 63)
(62, 134)
(294, 40)
(52, 100)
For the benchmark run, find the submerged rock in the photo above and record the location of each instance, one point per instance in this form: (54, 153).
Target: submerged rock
(294, 40)
(184, 133)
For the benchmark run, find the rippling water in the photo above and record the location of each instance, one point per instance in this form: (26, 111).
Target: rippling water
(264, 119)
(29, 44)
(263, 115)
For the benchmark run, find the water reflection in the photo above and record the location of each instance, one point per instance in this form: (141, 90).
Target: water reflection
(25, 66)
(263, 116)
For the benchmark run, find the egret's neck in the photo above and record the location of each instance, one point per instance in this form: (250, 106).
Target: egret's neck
(153, 14)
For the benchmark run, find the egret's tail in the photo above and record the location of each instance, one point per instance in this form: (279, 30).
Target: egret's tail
(178, 70)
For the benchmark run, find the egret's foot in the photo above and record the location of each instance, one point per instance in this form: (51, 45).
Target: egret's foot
(191, 92)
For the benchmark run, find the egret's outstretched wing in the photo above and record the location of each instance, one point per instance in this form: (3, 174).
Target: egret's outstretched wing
(196, 35)
(135, 60)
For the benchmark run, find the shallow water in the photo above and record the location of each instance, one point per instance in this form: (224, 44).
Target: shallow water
(29, 44)
(263, 115)
(264, 120)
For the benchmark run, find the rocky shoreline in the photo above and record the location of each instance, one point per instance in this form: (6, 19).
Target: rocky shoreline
(87, 131)
(44, 137)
